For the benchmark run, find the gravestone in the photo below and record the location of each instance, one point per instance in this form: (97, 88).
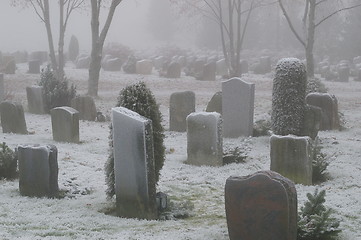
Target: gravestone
(263, 66)
(181, 104)
(291, 157)
(198, 69)
(144, 67)
(329, 109)
(85, 105)
(41, 56)
(2, 88)
(343, 71)
(158, 62)
(174, 70)
(237, 107)
(133, 165)
(222, 69)
(35, 99)
(65, 124)
(38, 170)
(112, 64)
(215, 104)
(204, 139)
(9, 65)
(82, 62)
(34, 67)
(261, 206)
(130, 65)
(12, 118)
(182, 61)
(209, 71)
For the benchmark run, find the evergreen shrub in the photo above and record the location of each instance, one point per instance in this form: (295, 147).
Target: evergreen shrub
(8, 162)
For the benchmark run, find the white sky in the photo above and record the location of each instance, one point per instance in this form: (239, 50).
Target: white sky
(21, 29)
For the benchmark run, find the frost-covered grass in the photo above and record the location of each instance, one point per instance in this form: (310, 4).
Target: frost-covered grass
(81, 214)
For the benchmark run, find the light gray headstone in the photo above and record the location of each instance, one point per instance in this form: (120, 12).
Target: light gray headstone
(2, 87)
(38, 170)
(12, 118)
(204, 139)
(181, 104)
(222, 69)
(144, 67)
(133, 164)
(237, 107)
(65, 124)
(291, 157)
(85, 105)
(35, 99)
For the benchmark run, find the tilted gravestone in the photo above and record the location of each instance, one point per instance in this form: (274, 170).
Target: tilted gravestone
(204, 139)
(65, 124)
(133, 165)
(38, 170)
(209, 71)
(215, 104)
(181, 104)
(174, 70)
(237, 107)
(144, 67)
(12, 118)
(34, 67)
(85, 105)
(35, 99)
(329, 109)
(291, 157)
(261, 206)
(2, 88)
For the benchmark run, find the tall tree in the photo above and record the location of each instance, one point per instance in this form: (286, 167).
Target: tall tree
(98, 38)
(312, 18)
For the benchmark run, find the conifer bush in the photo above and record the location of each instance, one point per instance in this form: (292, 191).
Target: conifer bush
(8, 162)
(73, 51)
(315, 221)
(56, 92)
(140, 99)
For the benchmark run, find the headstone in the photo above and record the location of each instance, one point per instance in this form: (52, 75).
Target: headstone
(144, 67)
(181, 104)
(130, 65)
(215, 104)
(113, 64)
(329, 109)
(38, 170)
(182, 61)
(65, 124)
(198, 69)
(237, 107)
(2, 88)
(133, 165)
(343, 71)
(41, 56)
(222, 69)
(291, 157)
(261, 206)
(9, 65)
(263, 66)
(12, 118)
(85, 105)
(209, 71)
(174, 70)
(158, 62)
(82, 62)
(312, 121)
(35, 99)
(34, 67)
(204, 139)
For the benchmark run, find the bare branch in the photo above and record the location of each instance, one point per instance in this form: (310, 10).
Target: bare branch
(335, 12)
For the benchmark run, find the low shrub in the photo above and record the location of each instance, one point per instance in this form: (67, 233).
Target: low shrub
(8, 162)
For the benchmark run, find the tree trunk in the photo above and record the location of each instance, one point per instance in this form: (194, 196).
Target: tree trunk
(311, 39)
(61, 41)
(94, 70)
(50, 36)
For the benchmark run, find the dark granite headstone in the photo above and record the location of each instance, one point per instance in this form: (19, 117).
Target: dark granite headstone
(12, 118)
(85, 106)
(34, 67)
(65, 124)
(215, 104)
(181, 104)
(35, 99)
(174, 70)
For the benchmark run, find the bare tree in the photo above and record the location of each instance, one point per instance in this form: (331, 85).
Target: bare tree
(98, 38)
(42, 10)
(311, 20)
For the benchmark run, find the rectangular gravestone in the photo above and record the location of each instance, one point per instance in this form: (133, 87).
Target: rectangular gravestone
(35, 99)
(261, 206)
(34, 67)
(133, 165)
(2, 88)
(12, 118)
(144, 67)
(237, 107)
(181, 104)
(38, 170)
(204, 139)
(85, 105)
(65, 124)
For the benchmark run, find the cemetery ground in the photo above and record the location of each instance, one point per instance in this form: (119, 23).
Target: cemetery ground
(81, 214)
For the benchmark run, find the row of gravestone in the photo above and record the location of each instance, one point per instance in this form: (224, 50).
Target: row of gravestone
(35, 60)
(341, 72)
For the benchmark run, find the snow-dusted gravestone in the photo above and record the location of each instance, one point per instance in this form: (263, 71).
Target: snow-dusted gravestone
(65, 124)
(12, 118)
(291, 157)
(204, 139)
(181, 104)
(237, 107)
(222, 69)
(2, 87)
(144, 67)
(261, 206)
(174, 70)
(35, 99)
(34, 66)
(215, 104)
(85, 105)
(329, 109)
(133, 165)
(38, 170)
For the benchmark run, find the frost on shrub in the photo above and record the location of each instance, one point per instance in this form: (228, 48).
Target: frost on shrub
(288, 97)
(315, 85)
(315, 221)
(140, 99)
(56, 92)
(8, 162)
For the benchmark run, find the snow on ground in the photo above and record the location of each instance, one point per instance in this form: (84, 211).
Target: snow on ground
(81, 215)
